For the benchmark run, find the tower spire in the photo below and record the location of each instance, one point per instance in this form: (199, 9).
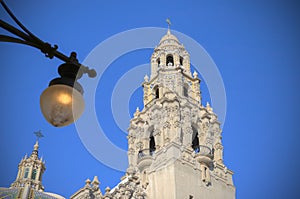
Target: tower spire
(35, 151)
(169, 24)
(36, 146)
(31, 170)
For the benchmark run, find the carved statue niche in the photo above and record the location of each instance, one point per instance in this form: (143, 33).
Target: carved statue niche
(218, 153)
(175, 113)
(204, 127)
(131, 141)
(187, 134)
(166, 122)
(210, 139)
(186, 115)
(131, 150)
(176, 122)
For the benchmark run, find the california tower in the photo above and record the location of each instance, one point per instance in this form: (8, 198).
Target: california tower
(175, 146)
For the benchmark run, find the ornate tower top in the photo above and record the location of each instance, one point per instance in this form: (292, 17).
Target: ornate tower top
(30, 170)
(171, 72)
(169, 37)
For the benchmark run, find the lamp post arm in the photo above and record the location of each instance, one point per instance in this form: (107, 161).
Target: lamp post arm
(18, 22)
(27, 38)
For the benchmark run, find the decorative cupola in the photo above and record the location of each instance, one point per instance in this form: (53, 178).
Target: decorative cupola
(28, 183)
(169, 54)
(30, 171)
(171, 72)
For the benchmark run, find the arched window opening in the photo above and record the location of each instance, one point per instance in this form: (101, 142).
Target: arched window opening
(181, 61)
(195, 140)
(33, 175)
(185, 90)
(26, 173)
(152, 144)
(170, 60)
(158, 62)
(156, 92)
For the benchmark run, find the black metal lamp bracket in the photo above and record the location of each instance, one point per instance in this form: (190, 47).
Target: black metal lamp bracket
(24, 36)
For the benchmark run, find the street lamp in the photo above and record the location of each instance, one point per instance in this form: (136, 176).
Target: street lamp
(62, 102)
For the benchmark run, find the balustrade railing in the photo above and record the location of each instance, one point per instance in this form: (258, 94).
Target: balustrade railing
(203, 150)
(145, 153)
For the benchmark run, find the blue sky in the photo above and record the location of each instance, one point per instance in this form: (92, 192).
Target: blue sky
(255, 45)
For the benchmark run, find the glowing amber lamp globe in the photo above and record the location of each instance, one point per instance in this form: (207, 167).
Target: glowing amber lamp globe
(61, 105)
(62, 102)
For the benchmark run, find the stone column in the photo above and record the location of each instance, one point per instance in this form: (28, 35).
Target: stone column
(218, 156)
(186, 64)
(30, 172)
(163, 59)
(176, 59)
(154, 67)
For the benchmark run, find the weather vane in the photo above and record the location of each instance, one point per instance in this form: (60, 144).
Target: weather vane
(38, 134)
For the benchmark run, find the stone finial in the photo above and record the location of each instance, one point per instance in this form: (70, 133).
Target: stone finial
(208, 107)
(107, 194)
(137, 111)
(95, 181)
(225, 169)
(34, 153)
(107, 190)
(169, 24)
(195, 74)
(146, 78)
(87, 182)
(36, 146)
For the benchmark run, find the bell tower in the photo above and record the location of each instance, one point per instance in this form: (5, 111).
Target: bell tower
(175, 146)
(174, 143)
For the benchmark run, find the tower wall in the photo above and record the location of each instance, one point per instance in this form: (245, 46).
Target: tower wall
(173, 175)
(189, 183)
(180, 181)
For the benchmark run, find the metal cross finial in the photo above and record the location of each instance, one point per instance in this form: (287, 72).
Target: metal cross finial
(168, 22)
(38, 134)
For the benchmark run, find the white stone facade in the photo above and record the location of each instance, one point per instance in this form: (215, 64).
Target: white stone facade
(174, 143)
